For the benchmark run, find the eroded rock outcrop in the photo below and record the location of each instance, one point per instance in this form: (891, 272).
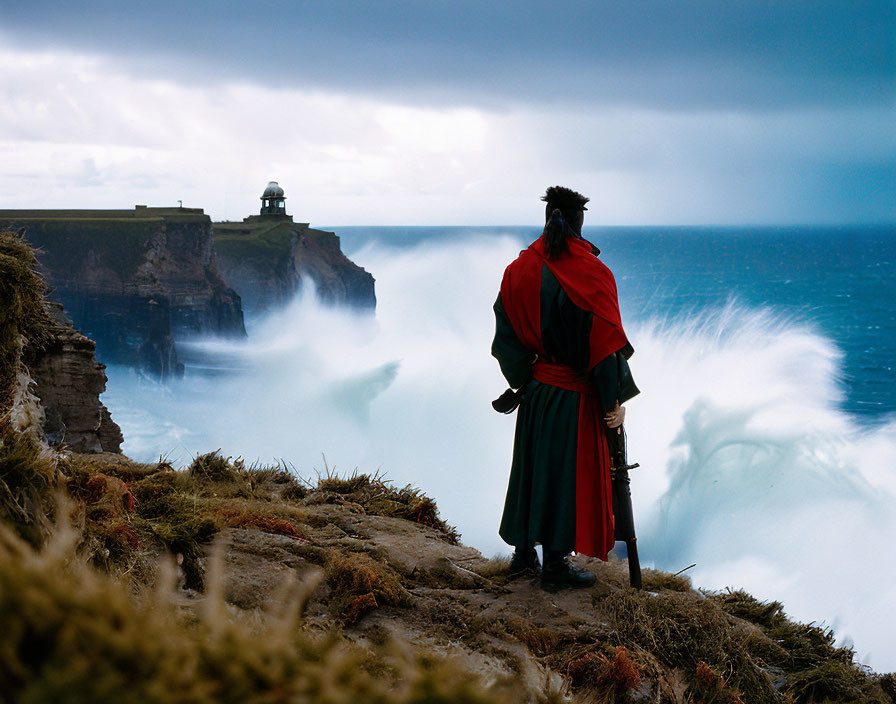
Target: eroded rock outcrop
(135, 281)
(68, 380)
(49, 395)
(265, 257)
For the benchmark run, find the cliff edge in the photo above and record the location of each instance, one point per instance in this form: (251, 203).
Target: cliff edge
(50, 380)
(276, 575)
(135, 281)
(68, 381)
(265, 258)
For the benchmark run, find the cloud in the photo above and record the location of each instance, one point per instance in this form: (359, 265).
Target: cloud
(80, 130)
(687, 55)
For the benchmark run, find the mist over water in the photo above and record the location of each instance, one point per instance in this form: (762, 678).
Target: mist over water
(750, 468)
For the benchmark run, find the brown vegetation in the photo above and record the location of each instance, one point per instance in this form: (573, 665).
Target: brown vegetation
(377, 496)
(73, 635)
(671, 644)
(24, 323)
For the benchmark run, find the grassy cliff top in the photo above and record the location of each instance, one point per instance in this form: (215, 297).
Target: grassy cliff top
(82, 241)
(120, 245)
(268, 240)
(27, 477)
(139, 212)
(386, 592)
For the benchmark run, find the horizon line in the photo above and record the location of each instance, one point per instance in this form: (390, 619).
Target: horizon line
(875, 223)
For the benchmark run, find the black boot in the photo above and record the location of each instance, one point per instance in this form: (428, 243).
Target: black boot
(558, 573)
(524, 560)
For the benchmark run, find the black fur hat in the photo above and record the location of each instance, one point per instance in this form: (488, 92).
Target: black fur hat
(564, 198)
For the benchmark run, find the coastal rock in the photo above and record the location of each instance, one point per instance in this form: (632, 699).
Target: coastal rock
(135, 281)
(338, 279)
(68, 381)
(265, 258)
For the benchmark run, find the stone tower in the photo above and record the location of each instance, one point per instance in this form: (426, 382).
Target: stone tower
(272, 200)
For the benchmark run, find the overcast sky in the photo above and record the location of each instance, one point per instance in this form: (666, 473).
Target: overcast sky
(454, 112)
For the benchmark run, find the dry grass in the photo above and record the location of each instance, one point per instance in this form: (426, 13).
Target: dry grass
(27, 476)
(497, 568)
(378, 497)
(673, 645)
(709, 686)
(358, 606)
(213, 467)
(73, 635)
(236, 518)
(816, 669)
(888, 685)
(25, 327)
(28, 483)
(682, 630)
(655, 580)
(540, 641)
(728, 662)
(353, 576)
(602, 676)
(176, 511)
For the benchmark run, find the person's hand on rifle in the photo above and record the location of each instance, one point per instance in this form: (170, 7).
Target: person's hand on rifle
(615, 417)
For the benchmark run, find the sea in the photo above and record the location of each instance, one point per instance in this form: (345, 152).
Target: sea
(765, 428)
(840, 280)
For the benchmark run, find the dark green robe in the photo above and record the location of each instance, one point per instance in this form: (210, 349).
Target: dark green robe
(540, 506)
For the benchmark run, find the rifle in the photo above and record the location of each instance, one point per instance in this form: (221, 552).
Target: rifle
(622, 501)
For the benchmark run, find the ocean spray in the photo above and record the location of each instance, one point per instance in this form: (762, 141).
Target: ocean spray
(749, 468)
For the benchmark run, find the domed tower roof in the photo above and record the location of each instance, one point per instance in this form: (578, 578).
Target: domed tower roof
(272, 200)
(273, 191)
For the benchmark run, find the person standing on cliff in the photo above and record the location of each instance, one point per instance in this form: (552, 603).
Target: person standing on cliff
(559, 340)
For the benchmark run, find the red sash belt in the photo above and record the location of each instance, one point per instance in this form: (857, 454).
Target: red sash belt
(594, 494)
(561, 376)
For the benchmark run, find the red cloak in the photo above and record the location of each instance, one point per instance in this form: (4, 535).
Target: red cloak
(591, 286)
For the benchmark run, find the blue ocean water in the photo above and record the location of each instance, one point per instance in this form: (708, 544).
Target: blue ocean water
(839, 279)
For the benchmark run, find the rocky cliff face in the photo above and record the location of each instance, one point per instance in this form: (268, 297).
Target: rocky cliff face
(68, 381)
(50, 381)
(135, 281)
(265, 257)
(338, 280)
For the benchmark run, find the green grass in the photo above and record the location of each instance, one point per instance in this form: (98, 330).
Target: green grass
(119, 245)
(270, 242)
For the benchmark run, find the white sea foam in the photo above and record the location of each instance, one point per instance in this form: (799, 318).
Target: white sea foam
(749, 468)
(763, 481)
